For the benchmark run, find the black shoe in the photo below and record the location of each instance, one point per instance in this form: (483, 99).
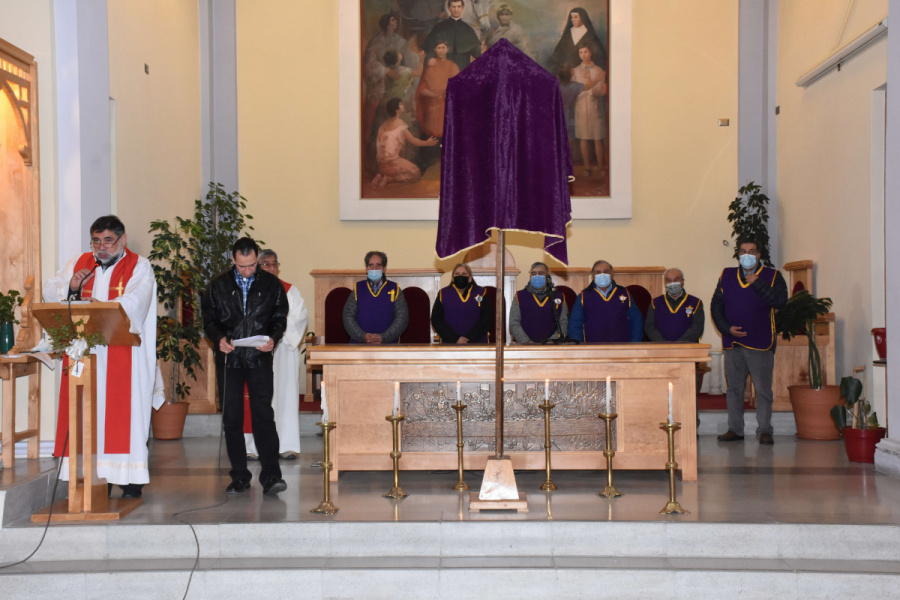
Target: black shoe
(237, 486)
(274, 486)
(109, 488)
(729, 436)
(132, 490)
(765, 439)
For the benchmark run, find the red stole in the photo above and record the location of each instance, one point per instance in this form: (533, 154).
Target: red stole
(118, 369)
(248, 424)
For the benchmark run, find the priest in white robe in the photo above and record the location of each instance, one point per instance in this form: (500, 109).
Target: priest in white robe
(287, 363)
(125, 374)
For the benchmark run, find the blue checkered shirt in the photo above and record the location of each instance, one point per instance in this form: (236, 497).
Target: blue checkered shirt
(244, 284)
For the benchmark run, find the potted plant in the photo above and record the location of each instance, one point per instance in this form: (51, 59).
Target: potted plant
(8, 303)
(857, 422)
(749, 217)
(811, 403)
(187, 254)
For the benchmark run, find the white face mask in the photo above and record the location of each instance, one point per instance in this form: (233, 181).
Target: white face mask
(748, 261)
(602, 280)
(674, 288)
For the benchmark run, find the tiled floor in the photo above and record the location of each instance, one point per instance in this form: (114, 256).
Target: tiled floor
(794, 481)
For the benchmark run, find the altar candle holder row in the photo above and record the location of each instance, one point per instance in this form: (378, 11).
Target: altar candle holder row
(396, 492)
(326, 507)
(672, 507)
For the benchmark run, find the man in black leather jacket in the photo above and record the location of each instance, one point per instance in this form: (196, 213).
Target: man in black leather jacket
(242, 302)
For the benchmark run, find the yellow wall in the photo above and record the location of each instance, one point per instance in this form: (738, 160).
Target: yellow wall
(684, 165)
(824, 132)
(158, 115)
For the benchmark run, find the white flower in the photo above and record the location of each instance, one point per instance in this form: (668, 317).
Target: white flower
(76, 350)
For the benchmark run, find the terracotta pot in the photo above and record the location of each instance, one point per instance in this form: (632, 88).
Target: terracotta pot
(168, 421)
(812, 411)
(860, 443)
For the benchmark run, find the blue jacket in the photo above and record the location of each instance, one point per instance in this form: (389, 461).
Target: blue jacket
(576, 321)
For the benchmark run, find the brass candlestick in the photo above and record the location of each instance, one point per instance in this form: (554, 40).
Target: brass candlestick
(461, 485)
(672, 507)
(326, 507)
(610, 490)
(548, 485)
(396, 491)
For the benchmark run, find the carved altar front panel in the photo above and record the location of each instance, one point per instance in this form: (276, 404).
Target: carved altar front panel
(430, 424)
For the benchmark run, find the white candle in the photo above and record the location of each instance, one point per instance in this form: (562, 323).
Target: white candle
(458, 393)
(324, 407)
(608, 393)
(670, 403)
(547, 390)
(396, 398)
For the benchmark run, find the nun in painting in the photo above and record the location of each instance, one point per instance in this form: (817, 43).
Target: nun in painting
(579, 32)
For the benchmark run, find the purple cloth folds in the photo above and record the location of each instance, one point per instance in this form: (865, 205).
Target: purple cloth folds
(505, 160)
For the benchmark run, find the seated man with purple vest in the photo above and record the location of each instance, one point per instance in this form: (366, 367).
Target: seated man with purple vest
(604, 311)
(676, 316)
(743, 310)
(533, 317)
(376, 311)
(462, 313)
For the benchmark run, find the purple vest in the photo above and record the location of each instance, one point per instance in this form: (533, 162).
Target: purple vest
(461, 311)
(537, 318)
(376, 311)
(673, 318)
(606, 320)
(745, 309)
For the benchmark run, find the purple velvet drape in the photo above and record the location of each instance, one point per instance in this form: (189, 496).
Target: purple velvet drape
(505, 161)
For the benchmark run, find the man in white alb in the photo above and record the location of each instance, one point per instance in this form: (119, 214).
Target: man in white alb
(287, 362)
(125, 374)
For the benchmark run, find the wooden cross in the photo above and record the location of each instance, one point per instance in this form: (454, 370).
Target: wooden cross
(121, 288)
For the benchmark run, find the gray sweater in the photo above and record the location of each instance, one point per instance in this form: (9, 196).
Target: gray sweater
(515, 318)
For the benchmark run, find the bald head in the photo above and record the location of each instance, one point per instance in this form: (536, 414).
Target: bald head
(673, 279)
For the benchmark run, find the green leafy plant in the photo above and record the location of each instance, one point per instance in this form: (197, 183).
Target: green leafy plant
(796, 318)
(8, 303)
(856, 412)
(749, 217)
(62, 336)
(187, 254)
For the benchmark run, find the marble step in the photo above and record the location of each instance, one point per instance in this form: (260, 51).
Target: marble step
(427, 577)
(211, 425)
(715, 422)
(556, 538)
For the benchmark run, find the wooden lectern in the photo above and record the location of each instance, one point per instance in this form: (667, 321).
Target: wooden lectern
(88, 497)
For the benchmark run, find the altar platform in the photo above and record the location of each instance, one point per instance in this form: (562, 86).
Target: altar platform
(794, 520)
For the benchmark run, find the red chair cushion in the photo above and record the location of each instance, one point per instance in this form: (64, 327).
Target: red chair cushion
(334, 316)
(569, 294)
(419, 329)
(641, 297)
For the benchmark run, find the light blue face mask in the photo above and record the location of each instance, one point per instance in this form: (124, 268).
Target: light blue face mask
(538, 281)
(374, 275)
(748, 261)
(602, 280)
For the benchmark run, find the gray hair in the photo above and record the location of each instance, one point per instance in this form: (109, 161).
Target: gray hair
(600, 262)
(268, 252)
(540, 264)
(671, 269)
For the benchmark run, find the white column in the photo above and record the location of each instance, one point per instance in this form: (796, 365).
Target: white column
(757, 71)
(82, 88)
(887, 456)
(218, 92)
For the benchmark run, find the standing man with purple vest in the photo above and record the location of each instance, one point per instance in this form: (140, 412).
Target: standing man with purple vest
(531, 317)
(462, 313)
(604, 311)
(676, 316)
(743, 310)
(376, 311)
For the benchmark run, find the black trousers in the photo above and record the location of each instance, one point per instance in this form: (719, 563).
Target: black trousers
(260, 384)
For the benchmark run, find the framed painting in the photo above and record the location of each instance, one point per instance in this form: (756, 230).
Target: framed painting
(397, 55)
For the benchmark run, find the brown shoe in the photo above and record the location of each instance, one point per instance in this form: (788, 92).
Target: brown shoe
(766, 439)
(730, 436)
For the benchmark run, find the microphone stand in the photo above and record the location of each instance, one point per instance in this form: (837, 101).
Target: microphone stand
(561, 340)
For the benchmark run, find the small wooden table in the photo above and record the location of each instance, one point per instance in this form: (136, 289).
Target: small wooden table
(10, 370)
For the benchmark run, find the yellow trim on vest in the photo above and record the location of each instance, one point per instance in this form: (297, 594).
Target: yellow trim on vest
(613, 291)
(666, 298)
(468, 295)
(393, 293)
(772, 317)
(758, 271)
(539, 303)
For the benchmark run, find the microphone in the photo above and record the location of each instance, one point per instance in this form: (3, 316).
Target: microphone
(97, 263)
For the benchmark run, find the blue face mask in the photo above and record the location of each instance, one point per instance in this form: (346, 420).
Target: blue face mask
(538, 281)
(748, 261)
(374, 275)
(602, 280)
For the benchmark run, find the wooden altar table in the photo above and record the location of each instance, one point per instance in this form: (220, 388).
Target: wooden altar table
(359, 388)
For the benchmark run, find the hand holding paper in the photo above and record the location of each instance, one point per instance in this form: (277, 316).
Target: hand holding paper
(255, 341)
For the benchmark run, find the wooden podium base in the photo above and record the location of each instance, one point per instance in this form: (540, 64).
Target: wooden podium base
(118, 508)
(476, 505)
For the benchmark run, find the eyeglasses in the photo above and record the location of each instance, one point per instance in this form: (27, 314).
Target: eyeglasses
(106, 243)
(269, 264)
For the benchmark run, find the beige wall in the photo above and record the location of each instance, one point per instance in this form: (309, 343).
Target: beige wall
(158, 115)
(824, 132)
(685, 166)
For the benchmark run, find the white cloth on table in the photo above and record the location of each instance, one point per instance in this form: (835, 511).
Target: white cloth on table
(287, 362)
(139, 302)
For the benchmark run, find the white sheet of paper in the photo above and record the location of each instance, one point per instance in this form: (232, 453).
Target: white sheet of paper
(251, 342)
